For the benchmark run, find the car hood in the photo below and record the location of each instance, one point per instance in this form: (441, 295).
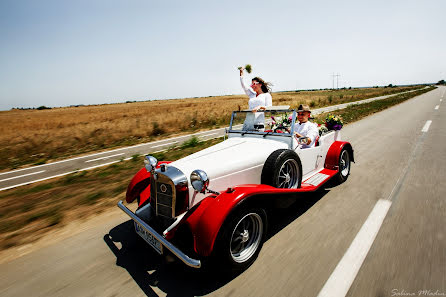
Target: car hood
(229, 157)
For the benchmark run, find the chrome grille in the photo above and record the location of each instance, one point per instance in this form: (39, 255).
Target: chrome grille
(164, 199)
(170, 192)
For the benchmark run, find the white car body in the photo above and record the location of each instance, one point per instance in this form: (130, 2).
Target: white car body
(240, 159)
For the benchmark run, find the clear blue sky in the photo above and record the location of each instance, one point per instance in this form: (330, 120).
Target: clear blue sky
(59, 53)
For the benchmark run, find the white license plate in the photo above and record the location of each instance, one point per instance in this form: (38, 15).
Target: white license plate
(149, 238)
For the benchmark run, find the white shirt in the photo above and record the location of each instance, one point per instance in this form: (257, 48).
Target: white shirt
(307, 129)
(255, 101)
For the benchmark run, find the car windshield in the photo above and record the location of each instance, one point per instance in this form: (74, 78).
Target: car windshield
(277, 122)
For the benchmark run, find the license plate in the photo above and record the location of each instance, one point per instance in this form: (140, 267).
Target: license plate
(149, 238)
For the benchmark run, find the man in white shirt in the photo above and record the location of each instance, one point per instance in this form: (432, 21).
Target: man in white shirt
(305, 128)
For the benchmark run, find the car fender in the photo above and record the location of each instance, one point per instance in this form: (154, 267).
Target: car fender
(140, 185)
(333, 154)
(206, 220)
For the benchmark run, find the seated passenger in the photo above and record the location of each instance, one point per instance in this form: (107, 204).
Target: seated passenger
(305, 128)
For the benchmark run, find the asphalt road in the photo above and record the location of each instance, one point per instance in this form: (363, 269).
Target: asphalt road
(20, 177)
(317, 246)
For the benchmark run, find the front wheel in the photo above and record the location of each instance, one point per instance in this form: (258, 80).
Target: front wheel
(241, 239)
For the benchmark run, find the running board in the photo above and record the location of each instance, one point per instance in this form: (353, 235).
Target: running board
(317, 180)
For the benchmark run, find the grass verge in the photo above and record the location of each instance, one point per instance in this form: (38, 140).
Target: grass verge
(29, 212)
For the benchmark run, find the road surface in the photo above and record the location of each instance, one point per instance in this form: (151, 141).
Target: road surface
(381, 233)
(20, 177)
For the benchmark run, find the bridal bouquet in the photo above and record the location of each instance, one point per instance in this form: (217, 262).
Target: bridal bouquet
(247, 67)
(333, 122)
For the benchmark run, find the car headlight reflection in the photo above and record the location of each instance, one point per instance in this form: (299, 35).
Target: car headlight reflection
(150, 163)
(199, 180)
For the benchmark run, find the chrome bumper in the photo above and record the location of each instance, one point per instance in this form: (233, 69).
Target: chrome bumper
(183, 257)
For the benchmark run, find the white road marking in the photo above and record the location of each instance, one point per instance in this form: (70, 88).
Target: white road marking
(35, 181)
(345, 272)
(164, 144)
(103, 158)
(1, 180)
(210, 134)
(100, 165)
(54, 176)
(426, 126)
(14, 171)
(437, 107)
(119, 149)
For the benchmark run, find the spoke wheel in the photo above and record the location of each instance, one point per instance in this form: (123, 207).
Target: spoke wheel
(240, 239)
(246, 237)
(288, 176)
(344, 166)
(282, 169)
(344, 163)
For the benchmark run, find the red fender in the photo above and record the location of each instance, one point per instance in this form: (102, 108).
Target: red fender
(206, 220)
(334, 152)
(140, 185)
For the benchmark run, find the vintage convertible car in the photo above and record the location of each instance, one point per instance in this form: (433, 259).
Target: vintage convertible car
(211, 206)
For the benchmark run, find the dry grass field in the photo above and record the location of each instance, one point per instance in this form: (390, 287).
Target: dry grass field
(30, 137)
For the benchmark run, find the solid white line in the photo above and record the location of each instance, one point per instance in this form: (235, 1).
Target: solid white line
(1, 180)
(106, 157)
(345, 272)
(437, 107)
(426, 126)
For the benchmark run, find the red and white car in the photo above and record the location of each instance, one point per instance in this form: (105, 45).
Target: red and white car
(212, 205)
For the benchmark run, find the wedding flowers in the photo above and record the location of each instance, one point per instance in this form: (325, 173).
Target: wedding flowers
(322, 129)
(282, 122)
(247, 67)
(333, 122)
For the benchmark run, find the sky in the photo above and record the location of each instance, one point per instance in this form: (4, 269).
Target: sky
(61, 53)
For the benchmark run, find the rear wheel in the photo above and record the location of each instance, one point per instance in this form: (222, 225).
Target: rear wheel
(282, 169)
(344, 166)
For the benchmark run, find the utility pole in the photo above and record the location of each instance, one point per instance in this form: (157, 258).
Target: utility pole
(337, 80)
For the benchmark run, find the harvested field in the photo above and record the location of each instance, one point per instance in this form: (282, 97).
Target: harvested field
(31, 137)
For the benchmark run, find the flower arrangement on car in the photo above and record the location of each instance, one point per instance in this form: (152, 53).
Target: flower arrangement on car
(333, 122)
(282, 122)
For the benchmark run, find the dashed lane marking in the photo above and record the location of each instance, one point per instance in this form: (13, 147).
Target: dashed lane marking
(164, 144)
(426, 126)
(23, 175)
(103, 158)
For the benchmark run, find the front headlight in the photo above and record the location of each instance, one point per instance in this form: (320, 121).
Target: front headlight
(199, 180)
(150, 163)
